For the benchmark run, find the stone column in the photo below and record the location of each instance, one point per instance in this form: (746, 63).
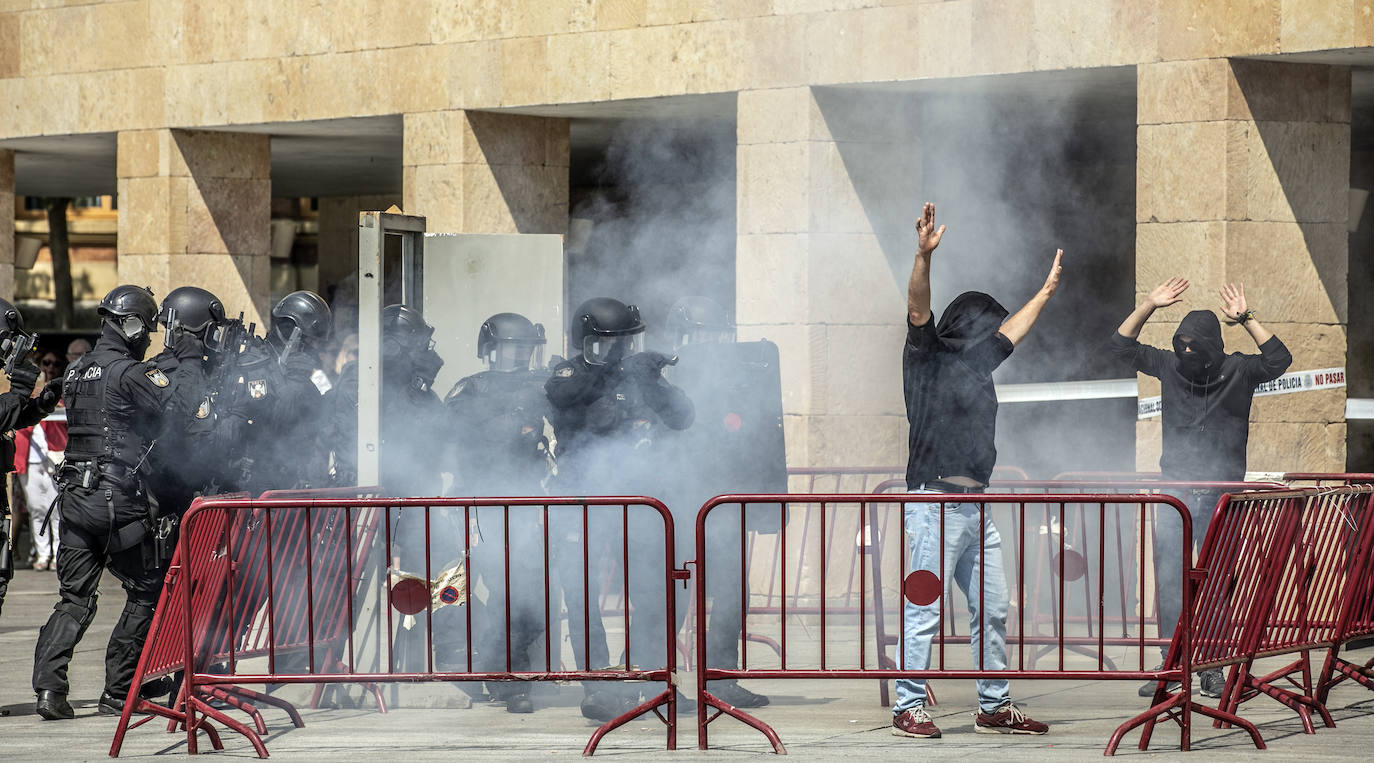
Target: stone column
(195, 209)
(7, 225)
(1243, 170)
(479, 172)
(825, 187)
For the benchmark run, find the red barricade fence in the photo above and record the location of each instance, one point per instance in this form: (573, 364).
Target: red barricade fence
(1319, 601)
(349, 590)
(1080, 639)
(1125, 542)
(336, 588)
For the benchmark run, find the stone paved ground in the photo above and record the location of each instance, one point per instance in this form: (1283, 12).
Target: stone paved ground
(816, 719)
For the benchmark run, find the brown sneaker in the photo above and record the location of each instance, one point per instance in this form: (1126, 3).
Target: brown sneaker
(915, 723)
(1007, 720)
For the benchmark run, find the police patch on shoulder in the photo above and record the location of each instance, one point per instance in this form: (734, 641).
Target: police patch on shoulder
(257, 389)
(158, 378)
(203, 412)
(565, 371)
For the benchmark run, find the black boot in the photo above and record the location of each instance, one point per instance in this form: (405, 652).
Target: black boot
(109, 704)
(53, 706)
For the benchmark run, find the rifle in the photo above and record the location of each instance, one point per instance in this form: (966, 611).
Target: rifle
(228, 342)
(15, 348)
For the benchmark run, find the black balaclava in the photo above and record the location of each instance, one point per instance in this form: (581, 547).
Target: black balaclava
(1204, 329)
(969, 327)
(138, 348)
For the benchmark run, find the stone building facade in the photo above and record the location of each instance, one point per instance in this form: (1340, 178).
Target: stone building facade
(1241, 155)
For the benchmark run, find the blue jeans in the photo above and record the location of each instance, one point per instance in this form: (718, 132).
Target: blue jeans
(987, 613)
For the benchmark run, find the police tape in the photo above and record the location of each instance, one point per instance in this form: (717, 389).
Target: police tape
(1298, 381)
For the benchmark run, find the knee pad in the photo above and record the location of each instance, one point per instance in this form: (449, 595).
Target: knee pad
(80, 610)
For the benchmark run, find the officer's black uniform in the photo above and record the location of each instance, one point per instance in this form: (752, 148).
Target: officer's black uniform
(284, 396)
(191, 456)
(115, 403)
(500, 450)
(411, 414)
(608, 403)
(17, 410)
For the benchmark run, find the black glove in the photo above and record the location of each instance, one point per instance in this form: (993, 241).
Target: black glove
(22, 378)
(427, 367)
(51, 394)
(645, 365)
(188, 346)
(300, 365)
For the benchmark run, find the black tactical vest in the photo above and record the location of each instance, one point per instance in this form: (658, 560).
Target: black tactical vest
(100, 425)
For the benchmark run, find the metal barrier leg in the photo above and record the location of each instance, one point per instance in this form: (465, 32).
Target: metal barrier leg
(209, 712)
(667, 697)
(706, 699)
(268, 699)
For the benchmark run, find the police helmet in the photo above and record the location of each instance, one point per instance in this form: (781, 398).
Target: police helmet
(507, 341)
(11, 321)
(698, 320)
(131, 310)
(303, 310)
(192, 309)
(606, 329)
(404, 328)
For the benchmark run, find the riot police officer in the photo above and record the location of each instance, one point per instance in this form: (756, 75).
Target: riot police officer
(610, 402)
(18, 409)
(738, 440)
(187, 461)
(499, 415)
(411, 411)
(284, 394)
(698, 320)
(115, 405)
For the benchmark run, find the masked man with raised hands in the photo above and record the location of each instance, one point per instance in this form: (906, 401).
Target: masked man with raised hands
(951, 407)
(1206, 396)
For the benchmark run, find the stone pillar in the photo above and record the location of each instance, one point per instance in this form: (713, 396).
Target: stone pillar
(195, 210)
(1243, 171)
(7, 225)
(479, 172)
(824, 186)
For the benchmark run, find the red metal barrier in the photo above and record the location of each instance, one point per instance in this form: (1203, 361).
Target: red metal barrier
(1124, 541)
(1323, 591)
(226, 604)
(1239, 570)
(1327, 479)
(812, 658)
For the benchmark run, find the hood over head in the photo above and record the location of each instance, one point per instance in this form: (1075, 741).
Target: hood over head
(971, 319)
(969, 328)
(1204, 329)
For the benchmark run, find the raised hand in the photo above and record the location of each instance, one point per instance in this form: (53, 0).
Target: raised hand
(927, 235)
(1233, 300)
(1168, 293)
(1052, 280)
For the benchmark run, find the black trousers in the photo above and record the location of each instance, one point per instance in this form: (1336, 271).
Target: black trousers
(78, 574)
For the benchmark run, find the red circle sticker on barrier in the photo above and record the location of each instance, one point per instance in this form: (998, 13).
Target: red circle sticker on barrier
(921, 587)
(733, 422)
(409, 596)
(1075, 566)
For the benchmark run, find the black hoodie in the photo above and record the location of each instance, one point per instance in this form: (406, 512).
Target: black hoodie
(951, 404)
(1206, 410)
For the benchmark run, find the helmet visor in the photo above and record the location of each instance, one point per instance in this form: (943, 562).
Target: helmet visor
(132, 326)
(600, 350)
(515, 356)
